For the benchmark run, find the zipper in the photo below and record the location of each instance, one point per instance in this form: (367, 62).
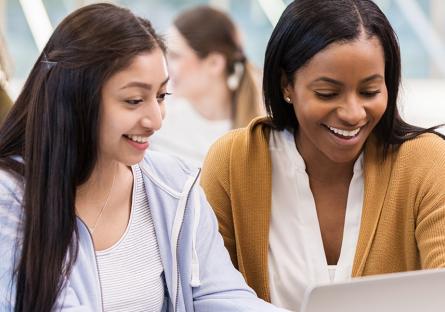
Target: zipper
(187, 189)
(177, 242)
(97, 265)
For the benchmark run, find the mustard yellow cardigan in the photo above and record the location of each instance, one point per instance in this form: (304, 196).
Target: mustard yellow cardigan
(403, 218)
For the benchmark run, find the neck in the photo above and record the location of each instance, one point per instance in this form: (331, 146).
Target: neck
(99, 182)
(215, 103)
(105, 200)
(322, 169)
(327, 172)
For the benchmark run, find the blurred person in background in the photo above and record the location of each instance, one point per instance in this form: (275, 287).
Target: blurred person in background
(215, 87)
(88, 220)
(333, 184)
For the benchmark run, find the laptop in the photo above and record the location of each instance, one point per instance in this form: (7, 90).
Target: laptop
(406, 292)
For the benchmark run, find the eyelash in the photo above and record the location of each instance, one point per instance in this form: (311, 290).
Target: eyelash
(327, 96)
(160, 98)
(134, 102)
(370, 93)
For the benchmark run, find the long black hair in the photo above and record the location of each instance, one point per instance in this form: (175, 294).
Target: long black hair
(53, 127)
(308, 26)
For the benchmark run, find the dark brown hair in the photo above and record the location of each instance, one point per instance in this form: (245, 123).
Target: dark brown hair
(53, 127)
(208, 30)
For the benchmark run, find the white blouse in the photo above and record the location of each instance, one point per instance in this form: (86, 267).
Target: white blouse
(296, 253)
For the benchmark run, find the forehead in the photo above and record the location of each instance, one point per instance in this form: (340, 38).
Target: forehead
(363, 56)
(149, 68)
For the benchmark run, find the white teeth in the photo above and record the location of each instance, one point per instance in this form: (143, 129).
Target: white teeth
(137, 138)
(345, 133)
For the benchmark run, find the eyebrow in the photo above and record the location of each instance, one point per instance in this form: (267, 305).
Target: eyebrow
(143, 85)
(338, 83)
(373, 77)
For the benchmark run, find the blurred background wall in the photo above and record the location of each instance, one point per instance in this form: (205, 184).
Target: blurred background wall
(25, 26)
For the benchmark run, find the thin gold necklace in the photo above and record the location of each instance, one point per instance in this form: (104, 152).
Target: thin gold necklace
(93, 228)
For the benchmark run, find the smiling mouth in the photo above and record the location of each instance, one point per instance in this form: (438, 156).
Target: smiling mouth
(137, 138)
(342, 133)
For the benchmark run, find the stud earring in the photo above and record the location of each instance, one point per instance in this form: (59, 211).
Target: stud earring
(287, 99)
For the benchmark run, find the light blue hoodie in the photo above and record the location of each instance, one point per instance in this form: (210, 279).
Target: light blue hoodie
(198, 272)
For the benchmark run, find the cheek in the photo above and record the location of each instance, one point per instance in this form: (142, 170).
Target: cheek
(186, 65)
(172, 69)
(379, 107)
(108, 135)
(183, 73)
(177, 67)
(308, 114)
(193, 81)
(113, 124)
(104, 141)
(175, 70)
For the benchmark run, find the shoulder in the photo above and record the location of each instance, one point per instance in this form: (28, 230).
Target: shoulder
(416, 163)
(221, 148)
(419, 162)
(238, 141)
(216, 163)
(11, 192)
(160, 161)
(427, 150)
(235, 152)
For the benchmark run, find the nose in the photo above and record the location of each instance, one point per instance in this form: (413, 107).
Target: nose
(152, 115)
(352, 112)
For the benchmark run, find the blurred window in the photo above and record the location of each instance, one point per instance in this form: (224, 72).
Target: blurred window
(419, 24)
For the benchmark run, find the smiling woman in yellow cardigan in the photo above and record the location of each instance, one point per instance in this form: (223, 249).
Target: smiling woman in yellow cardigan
(403, 219)
(330, 84)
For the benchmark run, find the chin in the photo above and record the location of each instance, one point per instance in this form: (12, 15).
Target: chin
(130, 161)
(343, 157)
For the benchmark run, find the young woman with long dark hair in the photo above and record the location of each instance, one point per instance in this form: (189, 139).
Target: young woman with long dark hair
(88, 220)
(333, 184)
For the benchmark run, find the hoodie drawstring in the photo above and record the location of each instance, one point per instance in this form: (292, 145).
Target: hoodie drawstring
(195, 281)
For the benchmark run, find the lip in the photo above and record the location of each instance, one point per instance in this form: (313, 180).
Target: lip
(136, 145)
(144, 134)
(345, 141)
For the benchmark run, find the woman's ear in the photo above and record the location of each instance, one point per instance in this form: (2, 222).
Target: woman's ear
(285, 87)
(216, 63)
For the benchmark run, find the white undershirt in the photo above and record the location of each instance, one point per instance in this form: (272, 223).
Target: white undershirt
(131, 270)
(296, 253)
